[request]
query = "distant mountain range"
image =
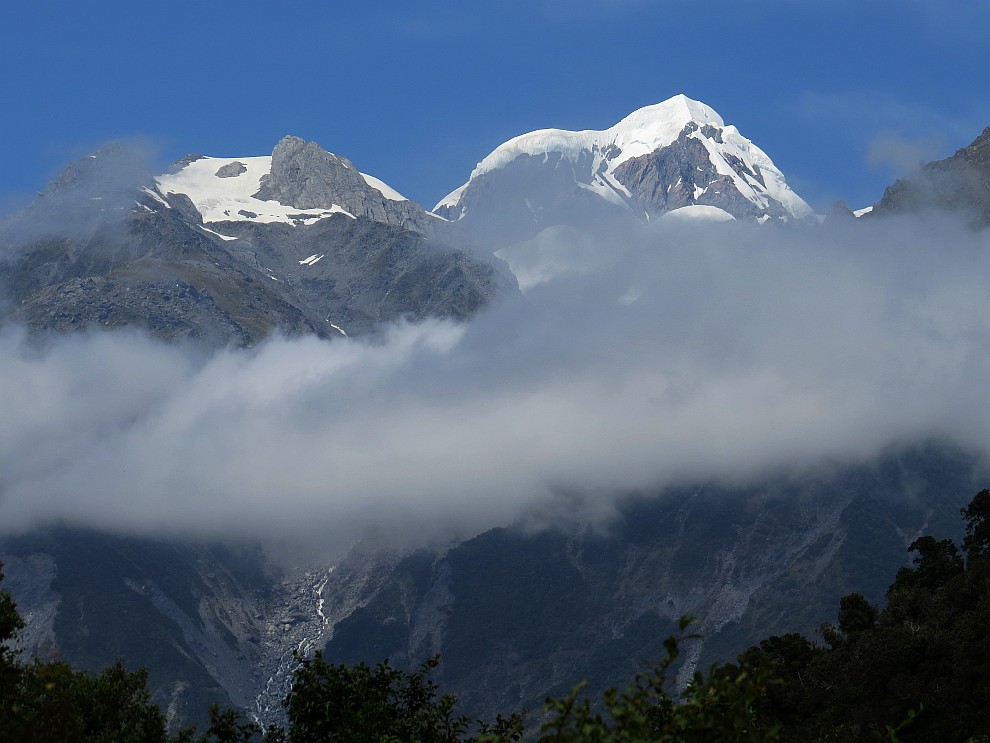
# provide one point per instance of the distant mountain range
(227, 251)
(232, 249)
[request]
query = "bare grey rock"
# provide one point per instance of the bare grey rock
(231, 170)
(183, 162)
(959, 184)
(153, 270)
(518, 615)
(306, 176)
(367, 272)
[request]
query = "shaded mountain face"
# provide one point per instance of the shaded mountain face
(188, 613)
(518, 616)
(659, 159)
(959, 184)
(108, 245)
(153, 270)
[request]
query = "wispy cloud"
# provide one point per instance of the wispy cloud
(733, 351)
(900, 155)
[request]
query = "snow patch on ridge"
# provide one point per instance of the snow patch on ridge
(452, 198)
(213, 232)
(698, 212)
(640, 133)
(231, 199)
(386, 190)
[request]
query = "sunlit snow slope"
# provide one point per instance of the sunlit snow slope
(662, 157)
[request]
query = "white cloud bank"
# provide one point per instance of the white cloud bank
(734, 350)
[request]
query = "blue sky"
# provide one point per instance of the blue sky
(842, 95)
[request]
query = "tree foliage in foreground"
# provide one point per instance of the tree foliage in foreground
(920, 665)
(343, 703)
(713, 708)
(42, 702)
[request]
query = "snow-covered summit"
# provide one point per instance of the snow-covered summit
(640, 133)
(661, 157)
(299, 183)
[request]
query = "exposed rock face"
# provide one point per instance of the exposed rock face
(355, 274)
(958, 184)
(149, 269)
(191, 614)
(682, 174)
(671, 155)
(306, 176)
(840, 212)
(212, 623)
(518, 616)
(29, 578)
(231, 170)
(534, 192)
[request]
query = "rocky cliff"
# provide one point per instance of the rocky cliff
(959, 184)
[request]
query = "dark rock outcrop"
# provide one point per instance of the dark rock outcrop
(959, 184)
(682, 174)
(231, 170)
(840, 212)
(517, 616)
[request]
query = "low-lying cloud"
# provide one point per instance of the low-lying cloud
(682, 353)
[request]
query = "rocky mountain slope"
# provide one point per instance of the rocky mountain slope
(958, 184)
(216, 250)
(516, 614)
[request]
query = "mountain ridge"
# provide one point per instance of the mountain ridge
(195, 253)
(958, 184)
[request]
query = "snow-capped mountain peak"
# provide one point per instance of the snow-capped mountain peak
(661, 157)
(639, 133)
(299, 183)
